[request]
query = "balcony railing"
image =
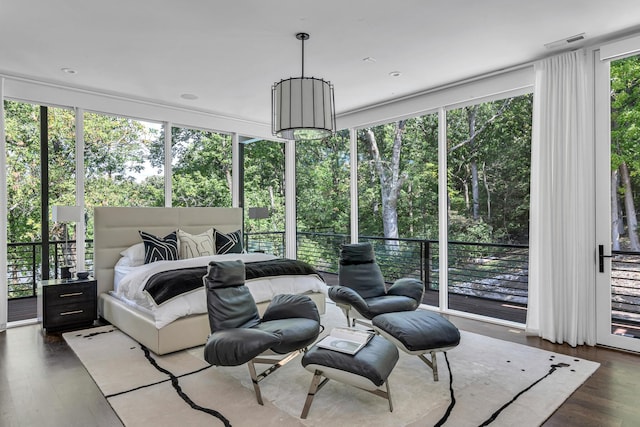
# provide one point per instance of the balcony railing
(24, 264)
(476, 271)
(625, 286)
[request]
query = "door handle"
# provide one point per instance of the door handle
(601, 257)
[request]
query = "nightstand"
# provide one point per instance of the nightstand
(67, 303)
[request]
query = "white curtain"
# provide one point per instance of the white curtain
(3, 215)
(562, 225)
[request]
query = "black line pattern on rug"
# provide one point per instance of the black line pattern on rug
(93, 334)
(176, 385)
(157, 382)
(495, 415)
(552, 369)
(445, 417)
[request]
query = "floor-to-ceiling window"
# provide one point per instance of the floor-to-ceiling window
(24, 230)
(488, 169)
(398, 198)
(264, 195)
(322, 199)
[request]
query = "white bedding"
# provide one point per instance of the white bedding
(131, 281)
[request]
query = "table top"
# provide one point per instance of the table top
(73, 281)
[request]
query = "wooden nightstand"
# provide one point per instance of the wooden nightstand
(67, 304)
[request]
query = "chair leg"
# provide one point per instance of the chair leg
(275, 364)
(433, 363)
(254, 380)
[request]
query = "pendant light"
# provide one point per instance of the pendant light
(303, 108)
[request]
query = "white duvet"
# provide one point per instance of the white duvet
(131, 282)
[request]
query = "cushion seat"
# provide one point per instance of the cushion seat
(418, 332)
(368, 369)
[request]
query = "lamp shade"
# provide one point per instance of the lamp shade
(66, 213)
(258, 213)
(303, 109)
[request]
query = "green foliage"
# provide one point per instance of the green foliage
(118, 149)
(322, 184)
(201, 174)
(500, 150)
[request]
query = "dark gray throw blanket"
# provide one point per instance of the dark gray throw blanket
(169, 284)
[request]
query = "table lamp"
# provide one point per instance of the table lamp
(65, 215)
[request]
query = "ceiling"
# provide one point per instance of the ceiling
(229, 53)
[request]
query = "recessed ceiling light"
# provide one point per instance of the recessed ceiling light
(369, 59)
(189, 96)
(395, 74)
(68, 70)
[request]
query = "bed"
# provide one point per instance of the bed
(116, 230)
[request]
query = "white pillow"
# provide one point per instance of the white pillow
(128, 262)
(195, 245)
(135, 254)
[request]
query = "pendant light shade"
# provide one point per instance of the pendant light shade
(303, 107)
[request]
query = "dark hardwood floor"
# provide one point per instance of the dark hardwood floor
(42, 382)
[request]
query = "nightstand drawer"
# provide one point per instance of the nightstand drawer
(70, 293)
(69, 314)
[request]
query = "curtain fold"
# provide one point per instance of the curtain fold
(562, 224)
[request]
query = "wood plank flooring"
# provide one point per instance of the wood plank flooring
(42, 382)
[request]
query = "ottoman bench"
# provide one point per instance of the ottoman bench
(368, 369)
(418, 333)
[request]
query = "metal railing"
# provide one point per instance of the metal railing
(625, 286)
(24, 264)
(487, 270)
(490, 271)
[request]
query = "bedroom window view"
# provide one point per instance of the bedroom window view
(323, 201)
(264, 196)
(398, 198)
(625, 190)
(24, 161)
(201, 168)
(24, 233)
(488, 163)
(124, 163)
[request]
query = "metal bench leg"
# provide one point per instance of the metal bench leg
(315, 386)
(433, 363)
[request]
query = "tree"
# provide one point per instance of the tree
(625, 159)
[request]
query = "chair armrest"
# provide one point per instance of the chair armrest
(287, 306)
(234, 347)
(412, 288)
(345, 295)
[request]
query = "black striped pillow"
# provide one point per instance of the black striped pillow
(159, 248)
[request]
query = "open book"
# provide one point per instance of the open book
(345, 340)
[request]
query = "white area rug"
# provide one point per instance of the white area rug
(494, 383)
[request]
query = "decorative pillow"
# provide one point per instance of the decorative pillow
(135, 254)
(159, 248)
(230, 243)
(195, 245)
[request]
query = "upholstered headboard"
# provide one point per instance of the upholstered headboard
(116, 228)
